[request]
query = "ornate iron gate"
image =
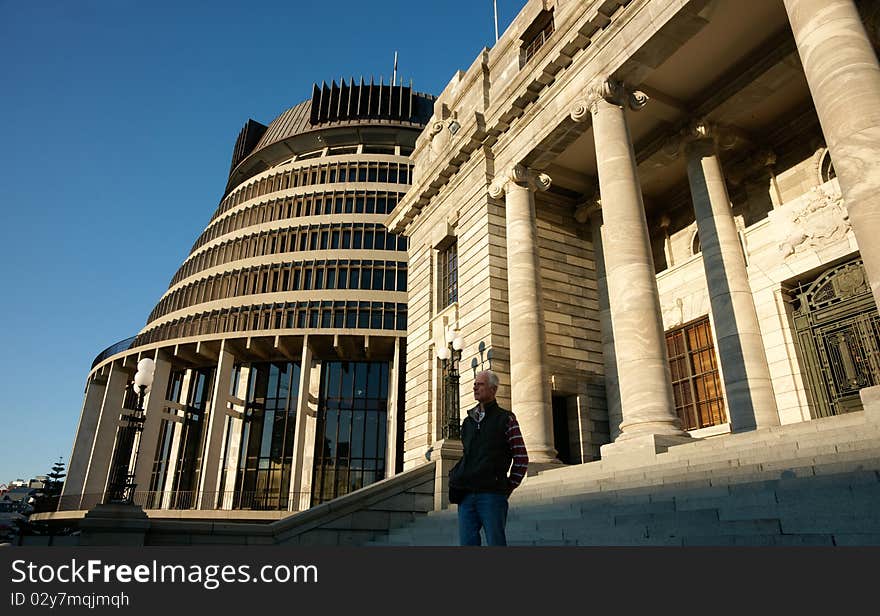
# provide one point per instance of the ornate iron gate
(838, 327)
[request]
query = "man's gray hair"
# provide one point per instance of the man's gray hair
(491, 378)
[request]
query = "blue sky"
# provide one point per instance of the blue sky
(119, 118)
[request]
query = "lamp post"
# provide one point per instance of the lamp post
(450, 355)
(122, 486)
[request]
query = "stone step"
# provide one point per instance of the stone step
(868, 459)
(795, 485)
(766, 446)
(797, 511)
(710, 461)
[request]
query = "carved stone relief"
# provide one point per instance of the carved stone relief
(816, 221)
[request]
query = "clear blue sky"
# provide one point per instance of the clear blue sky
(119, 118)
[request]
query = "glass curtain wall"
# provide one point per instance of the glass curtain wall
(352, 428)
(162, 457)
(192, 440)
(267, 437)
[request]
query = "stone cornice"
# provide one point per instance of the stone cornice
(482, 130)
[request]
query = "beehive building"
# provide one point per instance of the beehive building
(280, 342)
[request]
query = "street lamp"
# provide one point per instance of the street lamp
(450, 355)
(122, 486)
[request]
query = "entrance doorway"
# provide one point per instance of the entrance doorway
(838, 328)
(561, 438)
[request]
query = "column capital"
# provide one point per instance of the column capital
(702, 130)
(609, 90)
(588, 209)
(521, 176)
(757, 162)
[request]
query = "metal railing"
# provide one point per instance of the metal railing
(113, 349)
(189, 500)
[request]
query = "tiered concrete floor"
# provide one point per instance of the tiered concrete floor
(815, 483)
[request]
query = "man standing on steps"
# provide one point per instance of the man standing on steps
(479, 482)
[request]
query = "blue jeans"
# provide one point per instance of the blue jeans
(486, 510)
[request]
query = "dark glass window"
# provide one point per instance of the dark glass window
(162, 459)
(447, 265)
(343, 277)
(536, 35)
(267, 435)
(378, 278)
(352, 428)
(192, 440)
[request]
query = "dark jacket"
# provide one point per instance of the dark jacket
(487, 457)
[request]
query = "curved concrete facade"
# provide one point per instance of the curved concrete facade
(284, 327)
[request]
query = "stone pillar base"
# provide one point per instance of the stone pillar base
(871, 401)
(114, 524)
(445, 454)
(639, 449)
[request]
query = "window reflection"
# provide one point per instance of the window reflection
(351, 435)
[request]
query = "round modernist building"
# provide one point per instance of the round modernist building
(279, 346)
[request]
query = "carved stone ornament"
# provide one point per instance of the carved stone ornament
(700, 129)
(436, 127)
(812, 223)
(521, 175)
(756, 164)
(584, 211)
(673, 313)
(615, 92)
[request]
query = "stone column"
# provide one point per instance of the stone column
(105, 436)
(78, 463)
(844, 79)
(750, 400)
(210, 475)
(529, 377)
(609, 357)
(649, 418)
(153, 408)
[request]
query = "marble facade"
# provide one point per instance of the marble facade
(652, 162)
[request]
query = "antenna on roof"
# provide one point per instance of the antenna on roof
(495, 4)
(394, 72)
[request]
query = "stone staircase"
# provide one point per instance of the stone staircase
(812, 483)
